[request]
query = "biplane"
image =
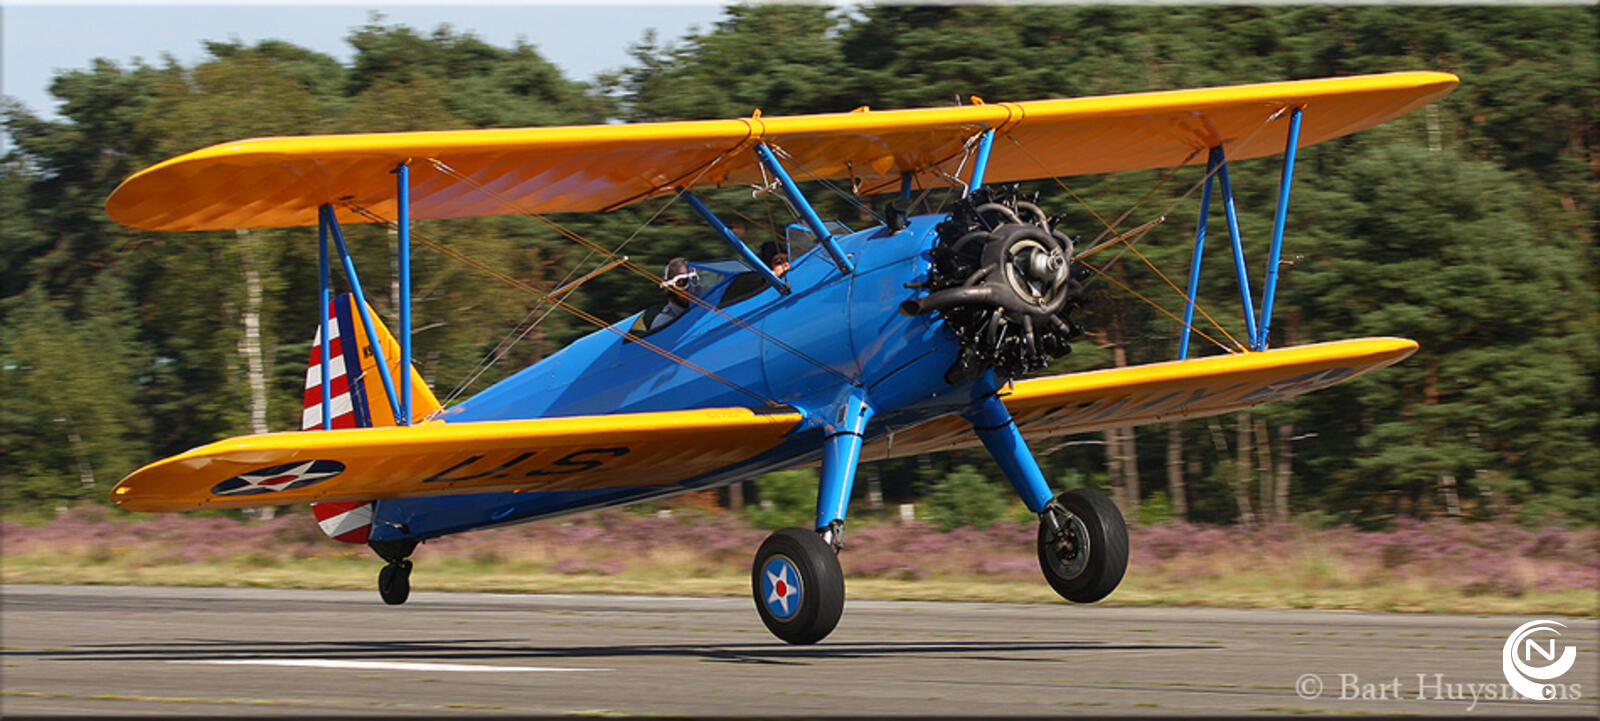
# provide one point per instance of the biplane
(913, 336)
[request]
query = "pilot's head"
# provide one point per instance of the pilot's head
(680, 281)
(775, 257)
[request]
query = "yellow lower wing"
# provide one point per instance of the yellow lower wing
(1084, 402)
(644, 449)
(581, 452)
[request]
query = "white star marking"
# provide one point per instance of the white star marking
(297, 474)
(780, 580)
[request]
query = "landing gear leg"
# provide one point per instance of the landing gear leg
(394, 581)
(1083, 540)
(992, 421)
(796, 579)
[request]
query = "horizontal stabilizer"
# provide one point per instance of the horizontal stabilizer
(1159, 392)
(432, 459)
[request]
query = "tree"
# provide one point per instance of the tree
(1495, 307)
(965, 498)
(779, 59)
(71, 427)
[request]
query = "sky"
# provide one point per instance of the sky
(38, 39)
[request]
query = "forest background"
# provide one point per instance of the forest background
(1468, 226)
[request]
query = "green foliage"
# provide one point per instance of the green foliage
(783, 499)
(69, 422)
(1496, 305)
(965, 498)
(1072, 478)
(1155, 508)
(780, 59)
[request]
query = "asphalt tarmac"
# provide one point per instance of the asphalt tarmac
(127, 651)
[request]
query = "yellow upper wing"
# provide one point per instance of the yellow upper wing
(629, 449)
(279, 182)
(1085, 402)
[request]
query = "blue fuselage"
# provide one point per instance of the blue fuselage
(831, 336)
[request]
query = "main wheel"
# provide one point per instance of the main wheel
(1085, 561)
(798, 586)
(394, 582)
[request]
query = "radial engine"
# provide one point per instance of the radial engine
(1003, 278)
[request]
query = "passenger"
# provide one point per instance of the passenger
(680, 281)
(775, 257)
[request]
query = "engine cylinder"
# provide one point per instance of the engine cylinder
(1004, 285)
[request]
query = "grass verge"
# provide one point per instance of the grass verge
(351, 571)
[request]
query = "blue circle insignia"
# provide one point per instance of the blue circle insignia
(781, 587)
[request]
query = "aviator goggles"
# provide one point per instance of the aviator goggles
(682, 281)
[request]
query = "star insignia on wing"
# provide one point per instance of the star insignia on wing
(279, 478)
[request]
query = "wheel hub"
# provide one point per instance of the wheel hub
(782, 591)
(1071, 544)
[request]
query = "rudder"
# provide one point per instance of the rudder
(357, 399)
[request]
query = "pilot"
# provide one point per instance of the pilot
(776, 258)
(679, 281)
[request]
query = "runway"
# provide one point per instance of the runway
(122, 651)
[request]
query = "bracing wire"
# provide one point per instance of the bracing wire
(556, 298)
(1102, 274)
(519, 332)
(826, 183)
(770, 228)
(641, 271)
(560, 303)
(1112, 228)
(1127, 239)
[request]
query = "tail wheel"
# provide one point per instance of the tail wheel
(798, 586)
(1083, 545)
(394, 582)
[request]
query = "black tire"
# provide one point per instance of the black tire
(394, 582)
(1095, 576)
(815, 604)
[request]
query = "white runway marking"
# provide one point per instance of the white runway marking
(384, 665)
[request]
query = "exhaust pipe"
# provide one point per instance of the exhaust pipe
(948, 298)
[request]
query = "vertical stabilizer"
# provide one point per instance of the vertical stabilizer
(356, 399)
